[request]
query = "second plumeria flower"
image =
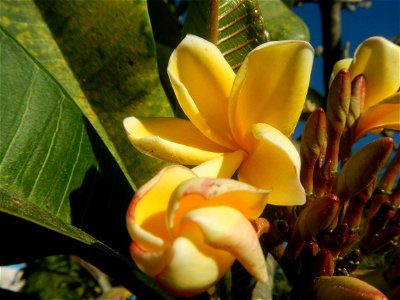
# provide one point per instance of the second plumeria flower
(237, 122)
(378, 61)
(187, 231)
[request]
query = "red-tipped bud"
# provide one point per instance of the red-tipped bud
(355, 209)
(357, 99)
(338, 108)
(318, 216)
(356, 103)
(313, 147)
(362, 168)
(323, 264)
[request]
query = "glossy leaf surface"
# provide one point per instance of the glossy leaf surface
(103, 55)
(56, 172)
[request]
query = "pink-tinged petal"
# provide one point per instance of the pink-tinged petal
(339, 65)
(202, 81)
(203, 192)
(171, 139)
(379, 60)
(271, 87)
(227, 229)
(146, 215)
(195, 266)
(385, 114)
(151, 263)
(224, 166)
(274, 164)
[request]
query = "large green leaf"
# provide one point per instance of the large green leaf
(282, 22)
(103, 54)
(56, 172)
(235, 26)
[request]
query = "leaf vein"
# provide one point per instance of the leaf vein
(72, 171)
(24, 114)
(231, 10)
(50, 146)
(235, 33)
(225, 27)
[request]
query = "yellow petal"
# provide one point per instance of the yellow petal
(224, 166)
(202, 192)
(339, 65)
(194, 267)
(385, 114)
(271, 87)
(171, 139)
(226, 228)
(379, 60)
(151, 263)
(274, 164)
(202, 81)
(146, 216)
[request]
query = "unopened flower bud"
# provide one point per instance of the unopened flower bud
(362, 168)
(313, 147)
(377, 200)
(356, 104)
(357, 99)
(355, 208)
(375, 223)
(323, 264)
(392, 171)
(338, 108)
(318, 216)
(306, 258)
(343, 287)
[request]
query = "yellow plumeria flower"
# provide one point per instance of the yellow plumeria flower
(187, 231)
(379, 61)
(236, 122)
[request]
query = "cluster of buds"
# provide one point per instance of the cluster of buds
(349, 212)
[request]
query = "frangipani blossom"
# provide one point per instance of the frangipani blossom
(236, 122)
(187, 231)
(379, 61)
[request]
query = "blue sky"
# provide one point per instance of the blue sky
(382, 18)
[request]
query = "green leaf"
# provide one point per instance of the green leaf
(235, 26)
(56, 172)
(282, 22)
(103, 54)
